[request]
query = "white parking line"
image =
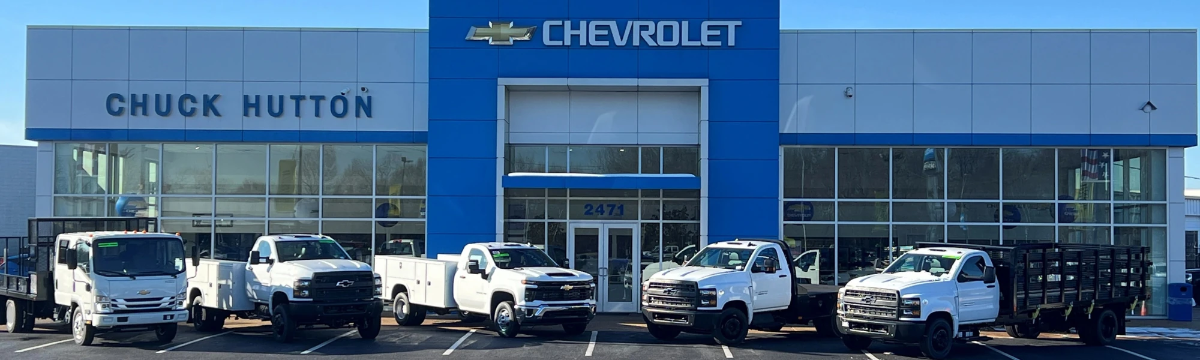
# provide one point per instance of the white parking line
(43, 345)
(591, 344)
(327, 342)
(728, 354)
(458, 343)
(996, 350)
(872, 357)
(1129, 352)
(193, 342)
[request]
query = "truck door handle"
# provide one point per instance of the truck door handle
(782, 276)
(991, 286)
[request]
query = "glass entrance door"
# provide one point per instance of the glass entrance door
(609, 252)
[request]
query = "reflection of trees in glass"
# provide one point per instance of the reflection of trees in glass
(808, 173)
(355, 178)
(131, 168)
(187, 169)
(401, 171)
(863, 173)
(973, 173)
(1029, 174)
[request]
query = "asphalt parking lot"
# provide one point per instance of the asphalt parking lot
(610, 336)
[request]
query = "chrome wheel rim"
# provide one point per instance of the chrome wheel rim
(77, 327)
(503, 318)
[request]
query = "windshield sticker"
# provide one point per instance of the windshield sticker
(328, 242)
(106, 245)
(499, 254)
(955, 257)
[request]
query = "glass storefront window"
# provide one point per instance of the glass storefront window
(252, 207)
(906, 237)
(399, 208)
(235, 238)
(863, 173)
(400, 170)
(803, 210)
(681, 160)
(813, 251)
(354, 236)
(973, 234)
(862, 250)
(1027, 213)
(556, 242)
(808, 173)
(295, 169)
(194, 234)
(187, 207)
(863, 211)
(652, 160)
(1028, 174)
(1084, 174)
(280, 227)
(240, 169)
(1140, 213)
(81, 206)
(347, 169)
(973, 173)
(1139, 175)
(1156, 239)
(1092, 235)
(135, 168)
(406, 238)
(298, 208)
(347, 208)
(188, 169)
(918, 211)
(602, 160)
(81, 168)
(1020, 235)
(525, 159)
(918, 173)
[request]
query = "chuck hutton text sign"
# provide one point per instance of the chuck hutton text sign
(603, 33)
(189, 105)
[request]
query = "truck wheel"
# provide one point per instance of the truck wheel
(3, 309)
(938, 340)
(80, 330)
(205, 319)
(14, 316)
(369, 328)
(405, 312)
(664, 333)
(856, 343)
(283, 326)
(731, 327)
(574, 329)
(465, 317)
(1100, 330)
(1023, 331)
(166, 332)
(826, 326)
(505, 320)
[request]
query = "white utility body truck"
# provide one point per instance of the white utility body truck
(291, 281)
(98, 281)
(941, 293)
(514, 285)
(731, 287)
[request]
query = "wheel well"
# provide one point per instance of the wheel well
(195, 293)
(499, 297)
(278, 298)
(941, 315)
(737, 305)
(398, 289)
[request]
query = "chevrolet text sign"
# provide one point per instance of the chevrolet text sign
(603, 33)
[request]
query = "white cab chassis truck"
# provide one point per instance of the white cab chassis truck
(513, 285)
(97, 282)
(731, 287)
(291, 281)
(939, 294)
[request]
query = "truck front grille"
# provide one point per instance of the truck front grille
(872, 303)
(561, 291)
(672, 295)
(135, 305)
(342, 286)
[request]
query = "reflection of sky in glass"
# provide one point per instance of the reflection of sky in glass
(603, 159)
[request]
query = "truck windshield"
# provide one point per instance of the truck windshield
(723, 258)
(137, 256)
(521, 258)
(310, 250)
(936, 265)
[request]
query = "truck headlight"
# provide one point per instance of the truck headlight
(181, 299)
(708, 297)
(910, 308)
(103, 304)
(300, 288)
(378, 286)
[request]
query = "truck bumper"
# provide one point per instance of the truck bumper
(122, 320)
(908, 332)
(555, 314)
(692, 320)
(308, 312)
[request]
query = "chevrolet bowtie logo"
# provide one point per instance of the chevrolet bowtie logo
(500, 33)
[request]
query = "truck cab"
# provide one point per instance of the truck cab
(730, 287)
(109, 281)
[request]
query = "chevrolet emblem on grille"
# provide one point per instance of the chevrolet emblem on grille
(670, 291)
(345, 283)
(567, 287)
(868, 300)
(143, 292)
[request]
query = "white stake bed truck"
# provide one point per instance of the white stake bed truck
(941, 293)
(97, 281)
(514, 285)
(291, 281)
(731, 287)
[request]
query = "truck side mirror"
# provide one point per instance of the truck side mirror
(473, 267)
(989, 275)
(255, 258)
(195, 256)
(72, 259)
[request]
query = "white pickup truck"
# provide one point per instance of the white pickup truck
(514, 285)
(731, 287)
(940, 294)
(289, 280)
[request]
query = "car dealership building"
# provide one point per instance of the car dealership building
(604, 129)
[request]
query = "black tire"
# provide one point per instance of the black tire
(574, 329)
(283, 326)
(505, 320)
(664, 333)
(1023, 331)
(826, 326)
(938, 340)
(205, 319)
(731, 327)
(405, 312)
(856, 343)
(466, 317)
(3, 309)
(1101, 329)
(81, 332)
(368, 328)
(166, 332)
(14, 317)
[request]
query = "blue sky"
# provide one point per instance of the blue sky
(795, 14)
